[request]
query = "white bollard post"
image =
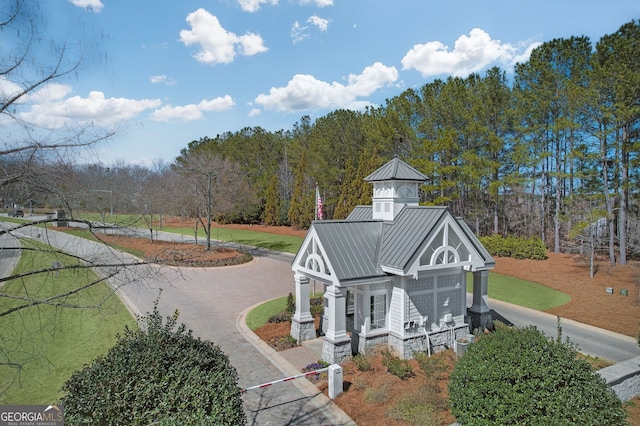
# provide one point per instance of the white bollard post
(335, 381)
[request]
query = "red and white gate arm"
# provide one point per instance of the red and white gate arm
(297, 376)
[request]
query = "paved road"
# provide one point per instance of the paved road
(8, 256)
(590, 340)
(209, 301)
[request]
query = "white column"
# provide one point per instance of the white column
(336, 312)
(303, 313)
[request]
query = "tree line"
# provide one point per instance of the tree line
(551, 152)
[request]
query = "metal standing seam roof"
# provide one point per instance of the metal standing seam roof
(403, 238)
(396, 169)
(361, 213)
(351, 247)
(359, 248)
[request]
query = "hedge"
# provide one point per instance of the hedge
(159, 375)
(519, 376)
(515, 247)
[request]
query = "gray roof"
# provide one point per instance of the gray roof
(360, 213)
(359, 247)
(351, 247)
(404, 237)
(396, 169)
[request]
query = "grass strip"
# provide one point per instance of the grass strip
(521, 292)
(259, 316)
(284, 243)
(47, 343)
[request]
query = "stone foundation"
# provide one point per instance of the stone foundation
(303, 330)
(405, 346)
(335, 352)
(480, 320)
(365, 344)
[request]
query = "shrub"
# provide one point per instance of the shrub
(362, 361)
(396, 366)
(419, 408)
(516, 247)
(432, 366)
(360, 383)
(377, 395)
(291, 305)
(316, 305)
(282, 316)
(519, 376)
(159, 374)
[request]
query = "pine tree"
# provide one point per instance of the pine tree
(271, 214)
(301, 211)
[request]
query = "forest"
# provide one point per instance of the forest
(549, 150)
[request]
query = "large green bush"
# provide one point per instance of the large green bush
(516, 247)
(160, 375)
(519, 376)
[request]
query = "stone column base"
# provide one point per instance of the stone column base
(303, 330)
(364, 344)
(335, 352)
(481, 320)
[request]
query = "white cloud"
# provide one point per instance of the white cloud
(157, 79)
(305, 92)
(299, 32)
(319, 3)
(94, 5)
(217, 45)
(254, 5)
(524, 57)
(255, 112)
(470, 54)
(78, 110)
(192, 112)
(48, 93)
(321, 23)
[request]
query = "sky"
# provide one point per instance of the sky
(168, 72)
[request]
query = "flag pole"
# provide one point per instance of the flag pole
(316, 201)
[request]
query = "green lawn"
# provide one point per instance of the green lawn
(51, 342)
(261, 314)
(285, 243)
(521, 292)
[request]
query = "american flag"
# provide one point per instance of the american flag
(319, 204)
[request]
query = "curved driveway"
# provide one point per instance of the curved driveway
(210, 301)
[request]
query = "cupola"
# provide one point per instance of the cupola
(395, 185)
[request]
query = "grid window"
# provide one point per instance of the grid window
(378, 311)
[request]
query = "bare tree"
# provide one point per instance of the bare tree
(213, 186)
(32, 62)
(36, 163)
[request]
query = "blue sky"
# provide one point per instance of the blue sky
(171, 71)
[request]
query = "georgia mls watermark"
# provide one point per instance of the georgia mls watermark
(31, 415)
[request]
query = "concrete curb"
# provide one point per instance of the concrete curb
(319, 399)
(563, 320)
